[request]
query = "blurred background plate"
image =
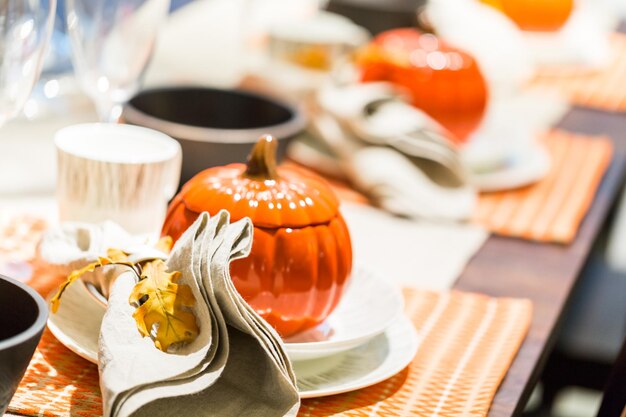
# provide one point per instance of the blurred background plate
(524, 167)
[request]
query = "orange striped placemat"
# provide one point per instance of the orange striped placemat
(467, 342)
(552, 209)
(603, 89)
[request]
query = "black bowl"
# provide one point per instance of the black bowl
(214, 126)
(23, 315)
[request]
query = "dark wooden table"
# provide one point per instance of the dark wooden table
(545, 273)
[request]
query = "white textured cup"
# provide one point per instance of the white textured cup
(116, 172)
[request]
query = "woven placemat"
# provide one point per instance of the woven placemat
(467, 342)
(603, 88)
(552, 209)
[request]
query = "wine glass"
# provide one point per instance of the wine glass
(112, 42)
(25, 28)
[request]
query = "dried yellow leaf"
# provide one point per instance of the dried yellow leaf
(163, 306)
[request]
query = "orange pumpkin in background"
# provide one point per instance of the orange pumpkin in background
(301, 254)
(443, 81)
(535, 15)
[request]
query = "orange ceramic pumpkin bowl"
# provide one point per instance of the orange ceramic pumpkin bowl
(443, 81)
(301, 254)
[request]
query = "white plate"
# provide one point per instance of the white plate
(77, 325)
(368, 307)
(525, 166)
(373, 362)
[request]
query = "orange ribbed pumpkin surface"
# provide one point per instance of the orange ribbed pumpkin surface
(535, 15)
(301, 253)
(443, 81)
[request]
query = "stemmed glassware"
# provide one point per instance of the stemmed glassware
(112, 42)
(25, 28)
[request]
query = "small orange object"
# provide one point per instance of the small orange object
(301, 252)
(443, 81)
(535, 15)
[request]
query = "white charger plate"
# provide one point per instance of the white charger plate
(368, 307)
(77, 325)
(367, 335)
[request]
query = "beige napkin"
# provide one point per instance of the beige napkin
(237, 365)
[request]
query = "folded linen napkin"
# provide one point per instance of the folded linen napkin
(236, 366)
(393, 152)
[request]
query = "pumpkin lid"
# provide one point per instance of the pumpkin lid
(271, 196)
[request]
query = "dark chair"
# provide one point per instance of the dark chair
(614, 399)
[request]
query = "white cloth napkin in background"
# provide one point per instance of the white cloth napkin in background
(418, 254)
(236, 366)
(393, 152)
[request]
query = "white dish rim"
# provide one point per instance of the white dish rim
(363, 382)
(302, 347)
(360, 383)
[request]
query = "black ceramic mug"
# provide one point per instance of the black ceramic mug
(23, 315)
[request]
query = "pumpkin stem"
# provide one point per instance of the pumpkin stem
(262, 160)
